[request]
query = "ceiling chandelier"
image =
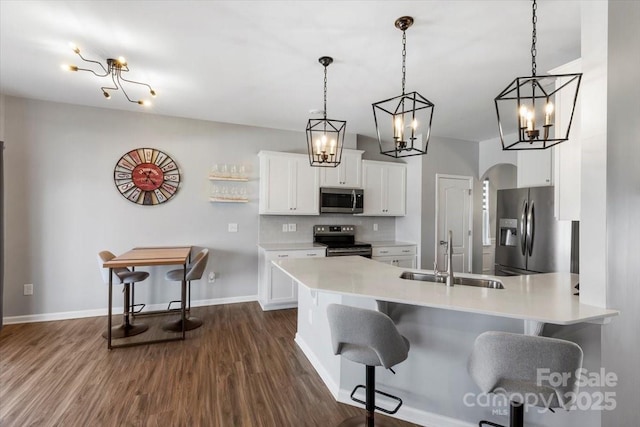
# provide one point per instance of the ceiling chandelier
(115, 68)
(325, 137)
(527, 109)
(403, 123)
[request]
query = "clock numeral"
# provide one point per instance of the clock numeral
(169, 188)
(123, 163)
(172, 177)
(135, 157)
(148, 155)
(169, 167)
(123, 175)
(161, 197)
(134, 195)
(160, 158)
(126, 186)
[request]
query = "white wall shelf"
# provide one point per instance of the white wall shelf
(224, 178)
(219, 200)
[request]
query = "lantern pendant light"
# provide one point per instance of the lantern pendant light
(325, 137)
(403, 123)
(528, 117)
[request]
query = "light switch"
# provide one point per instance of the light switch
(285, 228)
(292, 227)
(233, 227)
(375, 227)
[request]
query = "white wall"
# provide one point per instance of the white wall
(62, 206)
(621, 340)
(491, 153)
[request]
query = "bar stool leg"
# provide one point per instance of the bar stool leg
(126, 329)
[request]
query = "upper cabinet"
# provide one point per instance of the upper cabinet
(288, 184)
(567, 156)
(385, 188)
(347, 174)
(535, 168)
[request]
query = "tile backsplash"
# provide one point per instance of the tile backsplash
(271, 227)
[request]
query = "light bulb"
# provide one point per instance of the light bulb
(523, 111)
(549, 108)
(106, 94)
(144, 102)
(122, 61)
(548, 111)
(69, 67)
(152, 92)
(414, 124)
(75, 48)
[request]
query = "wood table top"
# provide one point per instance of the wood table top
(148, 256)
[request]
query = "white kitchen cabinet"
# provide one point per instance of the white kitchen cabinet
(288, 184)
(385, 188)
(347, 174)
(276, 290)
(400, 256)
(568, 154)
(535, 168)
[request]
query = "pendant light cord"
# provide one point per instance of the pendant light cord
(325, 92)
(534, 38)
(404, 58)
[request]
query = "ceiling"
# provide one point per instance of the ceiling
(256, 62)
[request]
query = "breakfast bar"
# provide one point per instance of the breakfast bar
(441, 324)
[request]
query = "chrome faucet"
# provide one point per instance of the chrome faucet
(449, 258)
(449, 273)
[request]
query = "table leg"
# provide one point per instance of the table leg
(110, 303)
(183, 302)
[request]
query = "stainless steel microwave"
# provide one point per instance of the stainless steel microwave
(341, 200)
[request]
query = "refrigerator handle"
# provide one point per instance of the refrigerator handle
(531, 227)
(523, 228)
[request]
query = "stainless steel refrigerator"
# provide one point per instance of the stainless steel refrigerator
(529, 239)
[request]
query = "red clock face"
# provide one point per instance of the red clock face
(146, 176)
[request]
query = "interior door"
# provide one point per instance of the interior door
(454, 209)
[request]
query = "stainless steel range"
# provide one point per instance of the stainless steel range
(340, 240)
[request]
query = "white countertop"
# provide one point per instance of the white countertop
(544, 298)
(390, 243)
(290, 246)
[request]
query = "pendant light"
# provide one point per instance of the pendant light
(325, 137)
(528, 117)
(403, 123)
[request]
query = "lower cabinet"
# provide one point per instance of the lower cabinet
(400, 256)
(276, 290)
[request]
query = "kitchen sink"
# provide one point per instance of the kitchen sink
(464, 281)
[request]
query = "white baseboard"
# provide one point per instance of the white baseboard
(324, 375)
(65, 315)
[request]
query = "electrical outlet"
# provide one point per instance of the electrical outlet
(233, 227)
(375, 227)
(292, 227)
(310, 317)
(28, 289)
(285, 228)
(212, 277)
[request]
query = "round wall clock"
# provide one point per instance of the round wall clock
(146, 176)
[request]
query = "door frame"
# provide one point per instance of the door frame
(437, 215)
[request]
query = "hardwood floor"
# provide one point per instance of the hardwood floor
(241, 368)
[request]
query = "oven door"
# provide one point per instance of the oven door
(341, 200)
(348, 251)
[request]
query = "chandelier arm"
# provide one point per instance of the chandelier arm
(140, 83)
(94, 73)
(118, 77)
(94, 62)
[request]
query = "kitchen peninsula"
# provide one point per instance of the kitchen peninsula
(440, 322)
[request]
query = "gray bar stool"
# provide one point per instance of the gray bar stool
(370, 338)
(128, 278)
(507, 363)
(194, 272)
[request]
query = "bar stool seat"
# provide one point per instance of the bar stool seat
(509, 364)
(370, 338)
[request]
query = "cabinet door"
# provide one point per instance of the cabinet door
(304, 187)
(347, 174)
(396, 191)
(372, 180)
(535, 168)
(282, 288)
(406, 262)
(385, 259)
(274, 185)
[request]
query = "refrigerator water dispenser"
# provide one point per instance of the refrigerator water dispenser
(508, 232)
